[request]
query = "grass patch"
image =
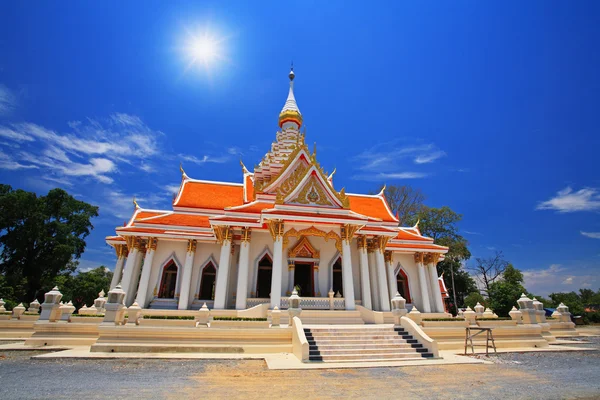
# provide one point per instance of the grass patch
(179, 317)
(443, 319)
(30, 313)
(495, 319)
(238, 319)
(6, 313)
(89, 315)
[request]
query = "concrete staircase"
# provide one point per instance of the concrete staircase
(363, 343)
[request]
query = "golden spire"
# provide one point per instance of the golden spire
(135, 203)
(244, 169)
(183, 174)
(290, 111)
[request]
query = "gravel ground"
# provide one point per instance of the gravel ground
(512, 376)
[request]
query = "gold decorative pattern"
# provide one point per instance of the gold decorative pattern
(121, 250)
(372, 245)
(387, 256)
(419, 258)
(312, 193)
(348, 231)
(191, 246)
(382, 242)
(312, 231)
(435, 258)
(246, 232)
(276, 229)
(152, 243)
(290, 183)
(303, 249)
(223, 233)
(361, 242)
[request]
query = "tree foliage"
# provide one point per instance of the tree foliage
(473, 298)
(83, 288)
(39, 237)
(503, 293)
(441, 224)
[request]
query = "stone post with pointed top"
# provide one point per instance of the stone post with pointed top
(100, 302)
(18, 311)
(66, 310)
(51, 305)
(203, 316)
(34, 306)
(115, 307)
(275, 317)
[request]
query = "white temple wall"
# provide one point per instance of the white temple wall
(407, 263)
(165, 251)
(260, 243)
(205, 252)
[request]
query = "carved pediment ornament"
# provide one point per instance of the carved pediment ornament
(303, 249)
(312, 193)
(312, 231)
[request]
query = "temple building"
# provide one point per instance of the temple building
(234, 245)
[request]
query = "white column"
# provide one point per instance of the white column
(121, 250)
(373, 279)
(423, 282)
(186, 277)
(242, 282)
(223, 273)
(317, 288)
(131, 267)
(389, 267)
(365, 285)
(135, 278)
(348, 280)
(291, 271)
(384, 297)
(276, 229)
(435, 286)
(142, 292)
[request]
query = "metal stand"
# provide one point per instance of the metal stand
(469, 337)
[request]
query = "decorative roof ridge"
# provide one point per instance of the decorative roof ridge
(257, 201)
(192, 180)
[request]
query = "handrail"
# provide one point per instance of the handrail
(415, 330)
(299, 342)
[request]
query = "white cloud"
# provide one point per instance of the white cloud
(389, 176)
(7, 100)
(566, 200)
(171, 188)
(429, 157)
(205, 159)
(472, 233)
(559, 278)
(593, 235)
(90, 149)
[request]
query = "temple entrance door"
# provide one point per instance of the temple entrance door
(303, 277)
(168, 282)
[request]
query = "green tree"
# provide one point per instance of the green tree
(39, 236)
(504, 292)
(571, 300)
(82, 288)
(441, 224)
(473, 298)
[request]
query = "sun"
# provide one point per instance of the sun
(203, 49)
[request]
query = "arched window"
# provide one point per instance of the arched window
(207, 282)
(168, 281)
(402, 285)
(337, 284)
(263, 280)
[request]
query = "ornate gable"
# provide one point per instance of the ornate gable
(303, 249)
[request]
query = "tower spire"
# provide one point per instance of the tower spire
(290, 115)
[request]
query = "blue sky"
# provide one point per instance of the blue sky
(489, 108)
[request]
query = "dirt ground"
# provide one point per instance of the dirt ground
(556, 375)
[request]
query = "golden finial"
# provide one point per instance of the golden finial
(314, 154)
(244, 169)
(330, 177)
(183, 174)
(292, 75)
(382, 190)
(417, 224)
(135, 203)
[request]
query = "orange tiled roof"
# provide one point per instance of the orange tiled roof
(197, 221)
(371, 206)
(249, 188)
(404, 235)
(416, 246)
(255, 207)
(211, 195)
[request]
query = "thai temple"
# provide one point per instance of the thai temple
(283, 227)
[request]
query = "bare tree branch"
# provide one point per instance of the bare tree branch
(488, 270)
(406, 201)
